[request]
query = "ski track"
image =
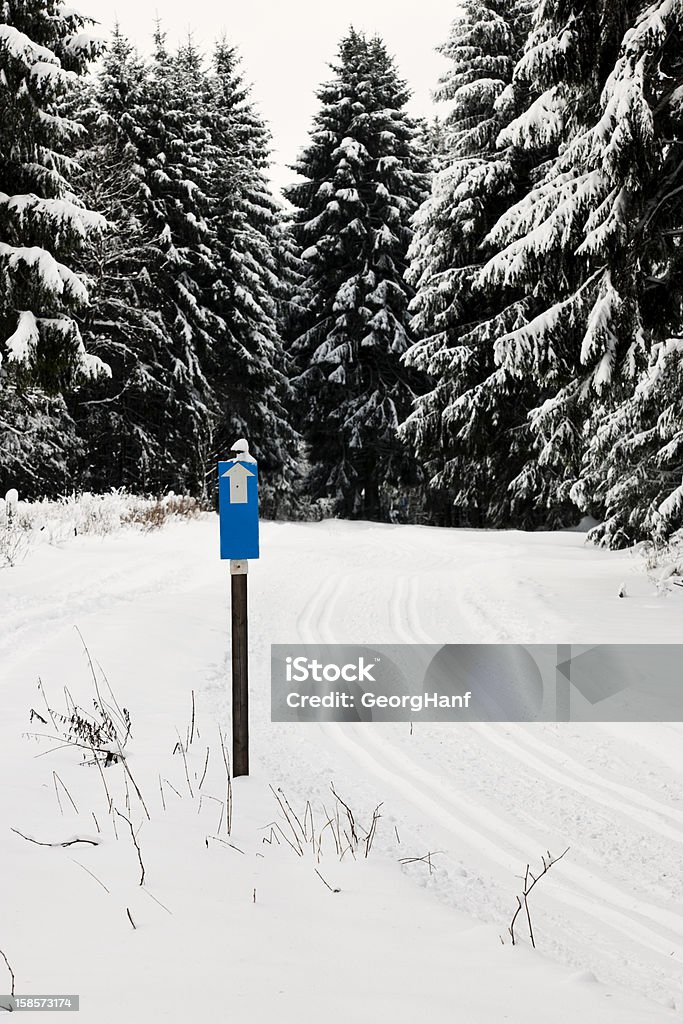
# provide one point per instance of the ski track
(404, 618)
(64, 607)
(637, 807)
(508, 846)
(486, 837)
(505, 847)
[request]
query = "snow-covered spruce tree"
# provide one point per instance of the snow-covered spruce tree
(632, 471)
(128, 421)
(42, 50)
(633, 467)
(585, 242)
(468, 448)
(173, 149)
(364, 176)
(252, 261)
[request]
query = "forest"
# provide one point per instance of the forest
(470, 320)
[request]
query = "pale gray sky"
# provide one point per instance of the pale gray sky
(286, 45)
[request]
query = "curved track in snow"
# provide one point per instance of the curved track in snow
(625, 923)
(491, 797)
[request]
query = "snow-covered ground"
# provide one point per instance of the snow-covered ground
(250, 931)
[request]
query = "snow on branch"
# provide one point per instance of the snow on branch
(520, 349)
(24, 49)
(68, 214)
(541, 125)
(600, 336)
(54, 276)
(23, 342)
(672, 506)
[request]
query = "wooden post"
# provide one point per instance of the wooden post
(240, 670)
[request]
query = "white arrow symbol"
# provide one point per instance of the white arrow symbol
(238, 476)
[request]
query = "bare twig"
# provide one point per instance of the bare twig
(326, 883)
(522, 901)
(57, 779)
(130, 918)
(274, 826)
(302, 830)
(89, 872)
(352, 823)
(128, 772)
(334, 831)
(11, 972)
(49, 709)
(206, 765)
(135, 844)
(181, 747)
(179, 795)
(373, 829)
(191, 737)
(232, 846)
(122, 718)
(162, 905)
(427, 859)
(67, 842)
(68, 743)
(269, 839)
(228, 799)
(296, 835)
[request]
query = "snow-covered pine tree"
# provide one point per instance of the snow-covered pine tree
(128, 422)
(43, 47)
(174, 151)
(632, 471)
(468, 452)
(584, 242)
(632, 475)
(248, 368)
(364, 176)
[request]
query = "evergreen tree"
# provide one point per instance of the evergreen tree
(566, 244)
(174, 151)
(546, 403)
(128, 421)
(583, 243)
(251, 287)
(467, 451)
(364, 176)
(188, 282)
(42, 225)
(632, 471)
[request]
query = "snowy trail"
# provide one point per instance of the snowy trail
(491, 797)
(524, 746)
(44, 606)
(649, 925)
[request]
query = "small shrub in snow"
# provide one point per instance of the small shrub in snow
(15, 531)
(664, 561)
(309, 830)
(529, 882)
(96, 730)
(101, 732)
(99, 515)
(151, 515)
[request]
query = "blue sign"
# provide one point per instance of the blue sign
(238, 509)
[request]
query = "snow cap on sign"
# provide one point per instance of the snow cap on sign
(240, 451)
